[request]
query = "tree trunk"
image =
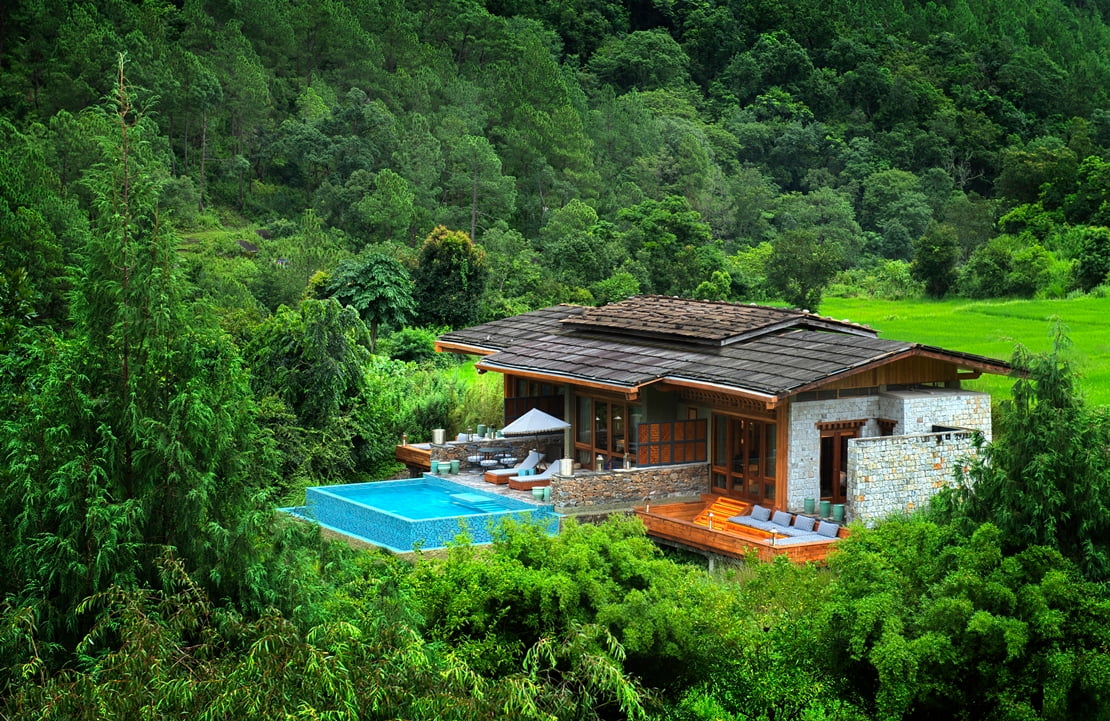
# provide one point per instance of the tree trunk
(203, 157)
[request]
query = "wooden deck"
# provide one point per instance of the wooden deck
(690, 525)
(414, 457)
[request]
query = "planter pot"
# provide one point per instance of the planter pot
(547, 493)
(537, 493)
(434, 468)
(454, 466)
(809, 504)
(825, 508)
(838, 513)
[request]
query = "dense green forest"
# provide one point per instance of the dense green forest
(229, 232)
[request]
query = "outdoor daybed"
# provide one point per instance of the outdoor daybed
(796, 528)
(524, 483)
(502, 475)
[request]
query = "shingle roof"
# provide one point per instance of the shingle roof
(710, 322)
(791, 350)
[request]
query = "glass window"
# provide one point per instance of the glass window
(601, 425)
(585, 420)
(771, 437)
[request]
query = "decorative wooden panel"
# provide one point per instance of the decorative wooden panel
(672, 442)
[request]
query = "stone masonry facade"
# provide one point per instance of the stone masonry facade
(915, 412)
(899, 474)
(621, 489)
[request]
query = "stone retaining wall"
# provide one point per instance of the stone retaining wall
(898, 474)
(592, 490)
(549, 444)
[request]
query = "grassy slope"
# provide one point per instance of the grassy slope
(994, 328)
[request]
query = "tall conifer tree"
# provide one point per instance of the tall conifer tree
(140, 439)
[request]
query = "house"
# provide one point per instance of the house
(770, 406)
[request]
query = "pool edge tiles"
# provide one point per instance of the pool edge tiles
(328, 507)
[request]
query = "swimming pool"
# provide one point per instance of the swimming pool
(426, 512)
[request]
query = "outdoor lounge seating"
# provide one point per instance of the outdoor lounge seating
(796, 528)
(502, 475)
(523, 483)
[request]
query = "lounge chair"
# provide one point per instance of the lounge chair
(502, 475)
(523, 483)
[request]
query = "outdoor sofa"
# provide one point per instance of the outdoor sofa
(798, 528)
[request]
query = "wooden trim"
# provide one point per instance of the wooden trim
(449, 347)
(782, 457)
(624, 392)
(957, 363)
(842, 425)
(717, 390)
(725, 403)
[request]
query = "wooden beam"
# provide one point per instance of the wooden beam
(625, 392)
(448, 347)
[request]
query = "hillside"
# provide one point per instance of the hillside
(744, 150)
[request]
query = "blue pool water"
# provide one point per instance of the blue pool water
(428, 512)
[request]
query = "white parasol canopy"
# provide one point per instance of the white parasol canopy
(533, 422)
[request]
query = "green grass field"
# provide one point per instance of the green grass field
(994, 328)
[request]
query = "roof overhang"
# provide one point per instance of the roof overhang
(977, 365)
(465, 348)
(771, 401)
(629, 392)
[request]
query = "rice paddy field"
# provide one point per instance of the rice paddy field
(995, 328)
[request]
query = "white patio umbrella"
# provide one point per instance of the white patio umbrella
(534, 422)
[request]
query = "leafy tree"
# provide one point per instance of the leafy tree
(894, 205)
(474, 183)
(1045, 479)
(39, 229)
(643, 59)
(1087, 205)
(666, 239)
(1042, 162)
(575, 247)
(312, 357)
(928, 621)
(615, 288)
(934, 259)
(800, 267)
(1092, 257)
(378, 287)
(450, 279)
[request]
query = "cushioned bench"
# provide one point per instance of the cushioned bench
(797, 528)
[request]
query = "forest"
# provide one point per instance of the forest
(230, 232)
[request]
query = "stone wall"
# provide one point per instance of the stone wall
(594, 490)
(550, 444)
(915, 412)
(922, 409)
(803, 479)
(898, 474)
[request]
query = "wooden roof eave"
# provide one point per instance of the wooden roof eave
(464, 348)
(977, 365)
(629, 392)
(769, 400)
